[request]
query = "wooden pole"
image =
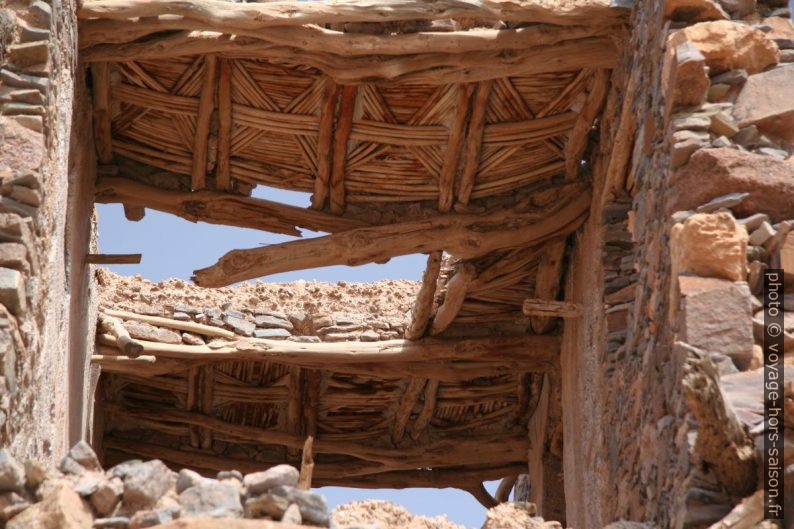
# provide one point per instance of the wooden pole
(464, 236)
(471, 159)
(344, 125)
(457, 133)
(307, 465)
(325, 144)
(547, 282)
(456, 293)
(423, 305)
(223, 169)
(113, 259)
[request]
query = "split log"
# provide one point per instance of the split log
(445, 451)
(288, 13)
(100, 74)
(423, 305)
(189, 326)
(223, 169)
(577, 140)
(323, 40)
(471, 161)
(307, 465)
(206, 107)
(456, 293)
(324, 144)
(429, 68)
(722, 441)
(407, 402)
(124, 341)
(551, 309)
(113, 259)
(457, 133)
(547, 282)
(344, 125)
(221, 208)
(462, 235)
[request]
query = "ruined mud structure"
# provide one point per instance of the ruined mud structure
(598, 187)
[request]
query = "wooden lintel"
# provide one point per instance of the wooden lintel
(223, 168)
(221, 208)
(462, 235)
(287, 13)
(344, 124)
(113, 258)
(206, 107)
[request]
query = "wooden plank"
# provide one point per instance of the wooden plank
(547, 282)
(222, 15)
(206, 107)
(221, 208)
(223, 170)
(113, 258)
(471, 160)
(324, 144)
(100, 75)
(462, 235)
(456, 293)
(551, 309)
(457, 133)
(423, 305)
(344, 125)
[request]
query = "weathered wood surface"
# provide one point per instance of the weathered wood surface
(205, 110)
(551, 309)
(430, 68)
(462, 235)
(113, 258)
(423, 304)
(221, 208)
(547, 282)
(114, 327)
(281, 13)
(453, 300)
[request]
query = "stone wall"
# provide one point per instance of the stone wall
(682, 132)
(42, 248)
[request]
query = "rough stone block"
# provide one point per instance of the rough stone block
(61, 510)
(717, 317)
(239, 325)
(144, 331)
(766, 102)
(694, 10)
(211, 499)
(272, 334)
(267, 321)
(12, 291)
(12, 473)
(691, 80)
(145, 483)
(14, 255)
(710, 245)
(260, 482)
(28, 53)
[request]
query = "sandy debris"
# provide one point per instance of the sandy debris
(515, 516)
(387, 299)
(386, 515)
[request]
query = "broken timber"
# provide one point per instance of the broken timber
(461, 235)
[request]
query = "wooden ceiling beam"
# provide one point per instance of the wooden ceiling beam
(428, 67)
(462, 235)
(291, 13)
(220, 208)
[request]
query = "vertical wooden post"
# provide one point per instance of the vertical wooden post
(471, 159)
(100, 73)
(295, 405)
(547, 282)
(324, 139)
(206, 107)
(193, 389)
(457, 133)
(223, 171)
(207, 392)
(423, 304)
(344, 125)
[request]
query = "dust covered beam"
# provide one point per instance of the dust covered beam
(258, 16)
(220, 208)
(462, 235)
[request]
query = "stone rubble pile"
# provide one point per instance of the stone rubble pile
(137, 494)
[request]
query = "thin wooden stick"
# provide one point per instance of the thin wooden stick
(223, 169)
(100, 74)
(128, 346)
(206, 107)
(307, 465)
(189, 326)
(423, 305)
(344, 125)
(324, 144)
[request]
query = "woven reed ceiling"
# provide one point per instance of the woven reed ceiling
(442, 127)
